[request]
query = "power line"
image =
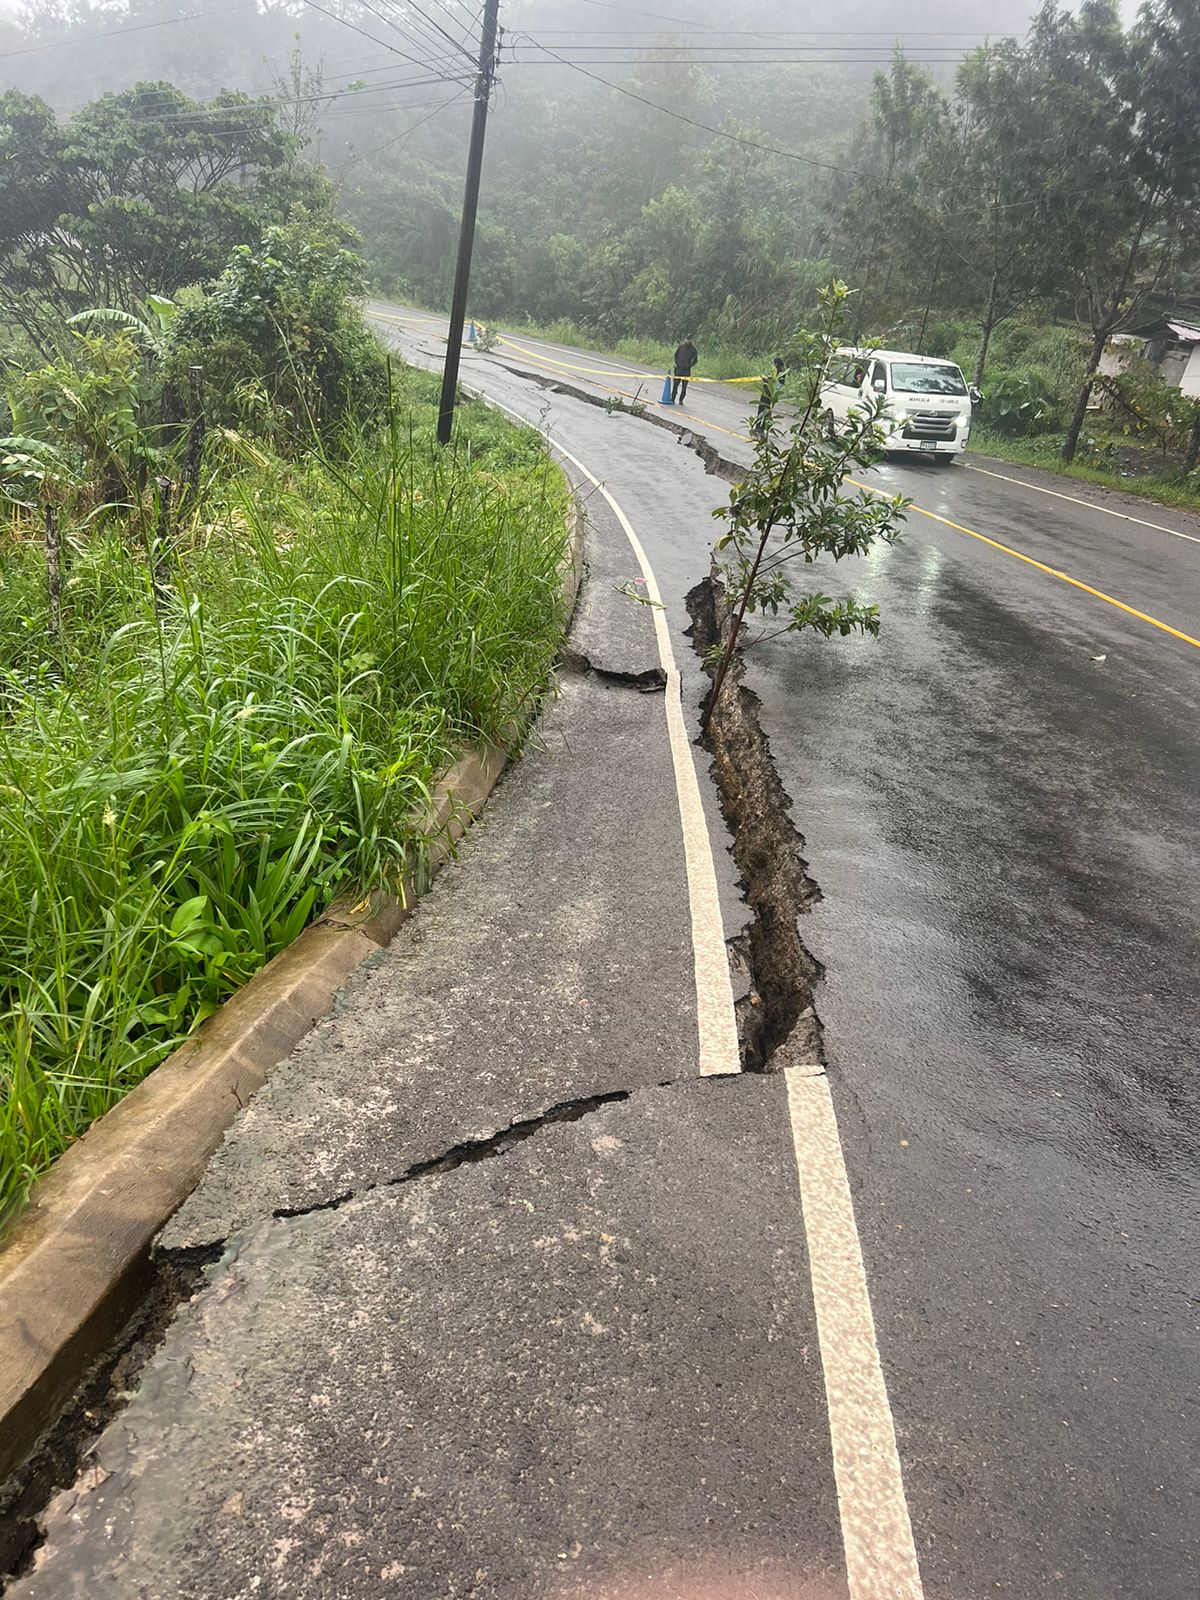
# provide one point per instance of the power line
(111, 33)
(389, 22)
(687, 22)
(734, 61)
(200, 116)
(353, 26)
(771, 51)
(388, 143)
(418, 34)
(411, 5)
(214, 132)
(791, 33)
(467, 28)
(706, 127)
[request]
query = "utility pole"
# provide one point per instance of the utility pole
(466, 237)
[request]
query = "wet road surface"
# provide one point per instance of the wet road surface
(998, 800)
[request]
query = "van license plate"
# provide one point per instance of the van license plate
(928, 444)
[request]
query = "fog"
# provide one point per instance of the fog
(381, 57)
(617, 134)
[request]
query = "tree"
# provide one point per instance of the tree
(139, 192)
(984, 176)
(907, 110)
(791, 507)
(1125, 135)
(637, 151)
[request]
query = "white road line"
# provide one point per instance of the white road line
(715, 1018)
(1090, 505)
(881, 1559)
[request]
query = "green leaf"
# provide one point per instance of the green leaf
(189, 915)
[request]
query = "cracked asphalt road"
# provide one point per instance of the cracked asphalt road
(998, 802)
(592, 1366)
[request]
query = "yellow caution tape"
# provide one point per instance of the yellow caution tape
(607, 372)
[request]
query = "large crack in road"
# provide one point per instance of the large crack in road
(778, 1020)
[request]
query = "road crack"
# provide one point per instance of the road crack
(469, 1151)
(777, 1018)
(715, 463)
(650, 680)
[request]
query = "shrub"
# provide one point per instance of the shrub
(280, 333)
(87, 407)
(1142, 405)
(1021, 403)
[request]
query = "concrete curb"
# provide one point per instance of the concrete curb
(77, 1261)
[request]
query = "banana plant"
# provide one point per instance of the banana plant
(31, 470)
(150, 336)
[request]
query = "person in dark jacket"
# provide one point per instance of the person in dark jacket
(686, 358)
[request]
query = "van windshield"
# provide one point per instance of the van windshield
(909, 378)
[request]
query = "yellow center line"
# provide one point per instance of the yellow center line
(388, 316)
(613, 366)
(1054, 572)
(612, 369)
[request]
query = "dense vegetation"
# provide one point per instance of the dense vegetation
(136, 193)
(1053, 183)
(247, 612)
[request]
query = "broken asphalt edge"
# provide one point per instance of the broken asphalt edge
(77, 1261)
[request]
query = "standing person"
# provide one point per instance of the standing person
(686, 358)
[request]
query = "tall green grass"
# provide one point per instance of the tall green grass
(183, 783)
(1158, 482)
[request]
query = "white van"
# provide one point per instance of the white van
(928, 400)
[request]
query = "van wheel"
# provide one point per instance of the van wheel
(944, 461)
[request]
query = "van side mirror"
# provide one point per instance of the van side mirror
(976, 395)
(879, 385)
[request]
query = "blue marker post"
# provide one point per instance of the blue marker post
(666, 394)
(471, 332)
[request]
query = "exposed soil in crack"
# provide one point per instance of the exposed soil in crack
(714, 462)
(176, 1276)
(101, 1394)
(777, 1020)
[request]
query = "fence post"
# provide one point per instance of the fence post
(196, 427)
(54, 571)
(159, 575)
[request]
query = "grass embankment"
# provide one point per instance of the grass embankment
(183, 785)
(1145, 478)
